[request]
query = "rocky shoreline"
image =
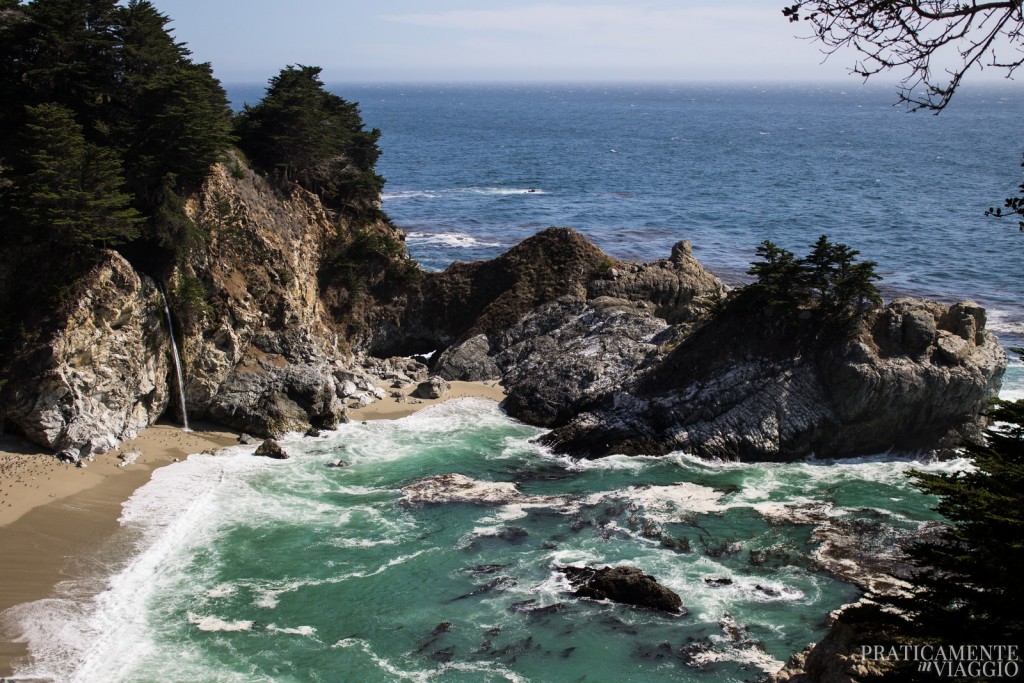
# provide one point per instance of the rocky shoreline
(614, 357)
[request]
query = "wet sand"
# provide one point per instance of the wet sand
(391, 408)
(53, 515)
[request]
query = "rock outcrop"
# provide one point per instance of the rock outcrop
(911, 376)
(458, 488)
(563, 354)
(624, 584)
(260, 353)
(272, 449)
(279, 335)
(100, 371)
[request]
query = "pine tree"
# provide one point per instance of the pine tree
(68, 56)
(843, 286)
(174, 120)
(829, 280)
(971, 588)
(780, 276)
(69, 191)
(309, 136)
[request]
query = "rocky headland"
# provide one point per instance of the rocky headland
(276, 334)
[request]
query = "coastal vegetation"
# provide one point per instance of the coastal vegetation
(828, 280)
(300, 132)
(117, 124)
(966, 589)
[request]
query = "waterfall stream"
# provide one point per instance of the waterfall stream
(177, 361)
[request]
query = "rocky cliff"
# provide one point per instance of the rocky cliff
(911, 376)
(288, 311)
(259, 350)
(96, 370)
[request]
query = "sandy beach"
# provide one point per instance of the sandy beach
(55, 516)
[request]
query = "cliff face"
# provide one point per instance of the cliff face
(258, 352)
(288, 311)
(99, 371)
(912, 376)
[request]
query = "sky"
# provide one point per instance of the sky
(502, 40)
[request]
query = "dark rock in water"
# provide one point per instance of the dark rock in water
(272, 449)
(435, 635)
(627, 585)
(312, 432)
(517, 648)
(530, 607)
(690, 653)
(485, 568)
(768, 590)
(617, 625)
(338, 463)
(717, 581)
(567, 652)
(500, 583)
(444, 655)
(659, 651)
(513, 534)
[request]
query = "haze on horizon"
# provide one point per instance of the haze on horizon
(501, 40)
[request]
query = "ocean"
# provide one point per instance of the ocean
(235, 568)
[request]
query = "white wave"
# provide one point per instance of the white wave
(361, 542)
(1012, 394)
(409, 194)
(1004, 322)
(298, 630)
(363, 490)
(458, 240)
(83, 641)
(210, 623)
(751, 655)
(502, 191)
(224, 590)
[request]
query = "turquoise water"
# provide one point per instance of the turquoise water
(240, 568)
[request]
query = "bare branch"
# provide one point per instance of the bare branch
(906, 35)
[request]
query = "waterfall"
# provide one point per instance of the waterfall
(177, 361)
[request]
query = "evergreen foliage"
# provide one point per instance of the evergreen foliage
(141, 123)
(967, 590)
(70, 191)
(829, 279)
(307, 135)
(971, 586)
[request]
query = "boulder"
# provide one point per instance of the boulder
(624, 584)
(272, 449)
(435, 387)
(458, 488)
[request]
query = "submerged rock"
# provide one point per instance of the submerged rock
(627, 585)
(458, 488)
